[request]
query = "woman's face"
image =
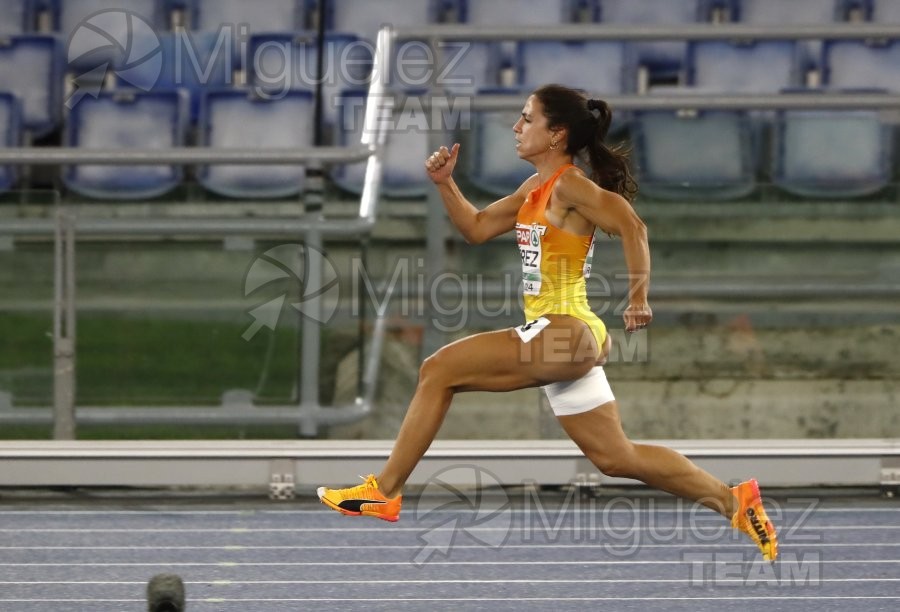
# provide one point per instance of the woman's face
(533, 137)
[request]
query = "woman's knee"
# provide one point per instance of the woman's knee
(619, 464)
(435, 369)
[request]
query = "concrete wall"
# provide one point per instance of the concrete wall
(718, 382)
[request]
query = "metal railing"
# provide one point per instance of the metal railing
(66, 228)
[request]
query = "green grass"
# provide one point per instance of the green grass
(147, 361)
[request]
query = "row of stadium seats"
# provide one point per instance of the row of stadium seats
(363, 16)
(33, 69)
(210, 96)
(677, 155)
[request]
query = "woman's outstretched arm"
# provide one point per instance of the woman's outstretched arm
(476, 226)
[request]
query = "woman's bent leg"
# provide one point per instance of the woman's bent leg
(492, 361)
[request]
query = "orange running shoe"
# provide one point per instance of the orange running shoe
(362, 500)
(751, 518)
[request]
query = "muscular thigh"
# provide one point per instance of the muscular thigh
(502, 361)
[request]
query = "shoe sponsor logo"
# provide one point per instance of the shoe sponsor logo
(757, 526)
(355, 505)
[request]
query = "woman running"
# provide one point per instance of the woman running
(563, 345)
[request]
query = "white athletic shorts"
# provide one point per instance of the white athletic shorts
(580, 395)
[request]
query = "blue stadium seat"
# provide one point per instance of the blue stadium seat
(462, 67)
(852, 64)
(31, 67)
(15, 16)
(528, 12)
(525, 13)
(114, 33)
(885, 11)
(405, 150)
(122, 120)
(790, 12)
(598, 67)
(664, 59)
(807, 162)
(489, 160)
(364, 17)
(258, 15)
(10, 136)
(192, 61)
(752, 67)
(242, 119)
(704, 155)
(241, 19)
(794, 12)
(284, 62)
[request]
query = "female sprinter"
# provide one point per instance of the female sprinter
(564, 344)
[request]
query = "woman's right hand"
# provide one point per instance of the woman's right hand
(441, 163)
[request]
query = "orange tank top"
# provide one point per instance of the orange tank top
(555, 262)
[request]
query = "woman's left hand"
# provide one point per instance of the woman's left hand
(637, 316)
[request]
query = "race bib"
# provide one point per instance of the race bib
(529, 240)
(587, 260)
(531, 329)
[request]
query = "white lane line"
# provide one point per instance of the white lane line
(586, 545)
(426, 527)
(420, 528)
(520, 511)
(395, 582)
(478, 599)
(405, 563)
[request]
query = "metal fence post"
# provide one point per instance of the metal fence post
(64, 327)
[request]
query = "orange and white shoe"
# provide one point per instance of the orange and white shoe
(362, 500)
(751, 518)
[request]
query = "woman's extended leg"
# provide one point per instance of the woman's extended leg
(599, 435)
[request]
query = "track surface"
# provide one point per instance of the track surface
(498, 551)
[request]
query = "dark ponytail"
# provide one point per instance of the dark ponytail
(588, 122)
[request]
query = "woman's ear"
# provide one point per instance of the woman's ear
(559, 135)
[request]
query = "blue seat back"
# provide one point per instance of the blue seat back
(754, 67)
(285, 62)
(191, 61)
(405, 150)
(794, 12)
(807, 162)
(460, 67)
(775, 12)
(598, 67)
(851, 64)
(258, 15)
(364, 18)
(10, 136)
(31, 67)
(121, 120)
(885, 11)
(528, 12)
(116, 33)
(662, 54)
(15, 16)
(702, 155)
(243, 120)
